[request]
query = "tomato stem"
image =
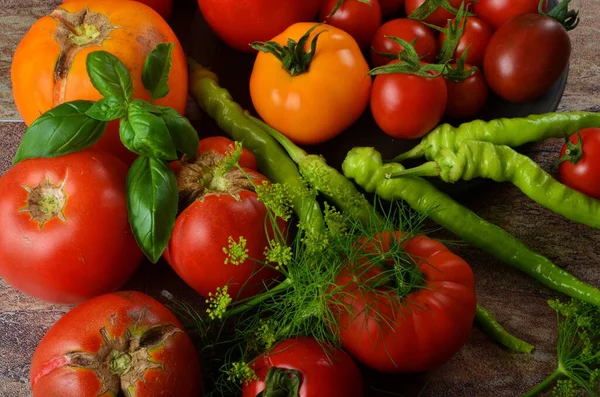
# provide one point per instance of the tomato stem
(574, 151)
(569, 19)
(282, 382)
(409, 62)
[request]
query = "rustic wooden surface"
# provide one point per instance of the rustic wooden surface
(481, 368)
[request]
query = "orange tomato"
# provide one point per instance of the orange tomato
(314, 106)
(163, 7)
(48, 66)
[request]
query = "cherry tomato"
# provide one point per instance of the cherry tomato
(359, 19)
(408, 106)
(416, 333)
(330, 373)
(467, 97)
(526, 56)
(390, 7)
(497, 12)
(408, 30)
(584, 174)
(312, 107)
(475, 37)
(64, 230)
(123, 343)
(240, 23)
(440, 16)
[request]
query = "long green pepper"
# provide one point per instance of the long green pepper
(476, 159)
(504, 131)
(366, 167)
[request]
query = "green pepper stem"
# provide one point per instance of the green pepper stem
(294, 151)
(488, 324)
(544, 384)
(257, 299)
(414, 153)
(431, 168)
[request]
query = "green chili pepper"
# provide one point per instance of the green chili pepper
(488, 324)
(475, 159)
(366, 167)
(510, 132)
(272, 160)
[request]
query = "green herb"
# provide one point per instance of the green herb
(109, 75)
(155, 75)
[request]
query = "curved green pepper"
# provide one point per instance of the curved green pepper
(366, 167)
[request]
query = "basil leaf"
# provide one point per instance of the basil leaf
(107, 109)
(151, 204)
(61, 130)
(184, 136)
(109, 75)
(145, 133)
(157, 66)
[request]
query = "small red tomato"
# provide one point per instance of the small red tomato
(408, 106)
(119, 344)
(390, 7)
(360, 20)
(440, 16)
(583, 172)
(475, 37)
(497, 12)
(407, 30)
(321, 373)
(467, 97)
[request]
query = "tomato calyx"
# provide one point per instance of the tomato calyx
(454, 31)
(294, 58)
(429, 7)
(282, 382)
(74, 32)
(408, 62)
(574, 151)
(569, 19)
(459, 72)
(46, 201)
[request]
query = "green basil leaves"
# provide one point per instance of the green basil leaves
(109, 75)
(156, 71)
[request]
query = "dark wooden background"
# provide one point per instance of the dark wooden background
(481, 368)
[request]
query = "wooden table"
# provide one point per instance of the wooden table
(481, 368)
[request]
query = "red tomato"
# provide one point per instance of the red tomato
(467, 97)
(224, 213)
(440, 16)
(360, 20)
(408, 30)
(124, 343)
(407, 106)
(64, 231)
(390, 7)
(497, 12)
(526, 56)
(584, 174)
(475, 37)
(413, 334)
(163, 7)
(240, 23)
(330, 373)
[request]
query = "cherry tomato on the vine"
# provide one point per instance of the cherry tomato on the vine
(583, 172)
(407, 30)
(475, 37)
(497, 12)
(467, 97)
(356, 18)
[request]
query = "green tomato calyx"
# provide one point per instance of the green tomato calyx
(282, 382)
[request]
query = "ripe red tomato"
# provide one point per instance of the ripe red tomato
(360, 20)
(440, 16)
(224, 213)
(240, 23)
(64, 230)
(408, 30)
(123, 343)
(497, 12)
(475, 37)
(406, 106)
(467, 97)
(390, 7)
(526, 56)
(330, 373)
(413, 334)
(584, 174)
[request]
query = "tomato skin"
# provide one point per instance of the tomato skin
(475, 37)
(583, 176)
(517, 67)
(240, 23)
(408, 106)
(408, 30)
(391, 7)
(497, 12)
(467, 97)
(36, 91)
(80, 331)
(163, 7)
(312, 107)
(415, 334)
(360, 20)
(331, 373)
(93, 251)
(440, 16)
